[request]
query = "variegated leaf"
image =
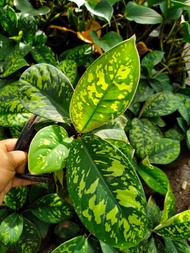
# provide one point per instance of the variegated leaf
(169, 205)
(43, 54)
(175, 228)
(11, 229)
(16, 197)
(164, 151)
(106, 88)
(143, 136)
(30, 238)
(46, 91)
(48, 150)
(51, 209)
(106, 192)
(153, 213)
(160, 104)
(76, 245)
(12, 112)
(69, 68)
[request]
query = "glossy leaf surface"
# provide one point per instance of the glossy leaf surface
(106, 192)
(169, 205)
(12, 112)
(43, 54)
(51, 209)
(48, 150)
(30, 239)
(16, 197)
(11, 229)
(175, 228)
(46, 91)
(76, 245)
(154, 177)
(106, 88)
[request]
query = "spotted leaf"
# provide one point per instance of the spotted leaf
(30, 238)
(16, 197)
(48, 150)
(169, 205)
(46, 91)
(12, 112)
(160, 104)
(106, 88)
(154, 177)
(106, 192)
(164, 151)
(175, 228)
(51, 209)
(43, 54)
(76, 245)
(8, 20)
(69, 68)
(11, 229)
(143, 136)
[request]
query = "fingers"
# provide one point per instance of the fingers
(18, 160)
(8, 144)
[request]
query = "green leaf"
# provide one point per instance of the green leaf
(143, 136)
(144, 92)
(152, 247)
(26, 8)
(7, 46)
(170, 247)
(8, 20)
(107, 87)
(11, 229)
(175, 228)
(12, 112)
(160, 104)
(16, 197)
(153, 213)
(69, 68)
(80, 54)
(154, 177)
(39, 190)
(48, 150)
(30, 238)
(149, 61)
(182, 246)
(160, 83)
(3, 213)
(107, 248)
(41, 226)
(169, 205)
(46, 91)
(76, 245)
(142, 14)
(43, 54)
(13, 62)
(108, 41)
(184, 106)
(174, 133)
(51, 209)
(28, 25)
(164, 151)
(106, 192)
(102, 9)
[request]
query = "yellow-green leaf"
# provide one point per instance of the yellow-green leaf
(106, 88)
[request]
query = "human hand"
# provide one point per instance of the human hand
(11, 162)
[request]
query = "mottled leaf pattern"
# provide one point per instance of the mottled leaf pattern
(153, 213)
(160, 104)
(106, 192)
(12, 112)
(175, 228)
(143, 136)
(8, 20)
(76, 245)
(16, 197)
(164, 151)
(45, 91)
(169, 205)
(48, 150)
(184, 106)
(30, 239)
(43, 54)
(154, 177)
(69, 68)
(51, 209)
(11, 229)
(106, 88)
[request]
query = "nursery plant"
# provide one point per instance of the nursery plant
(100, 121)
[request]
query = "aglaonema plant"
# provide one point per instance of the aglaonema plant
(102, 183)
